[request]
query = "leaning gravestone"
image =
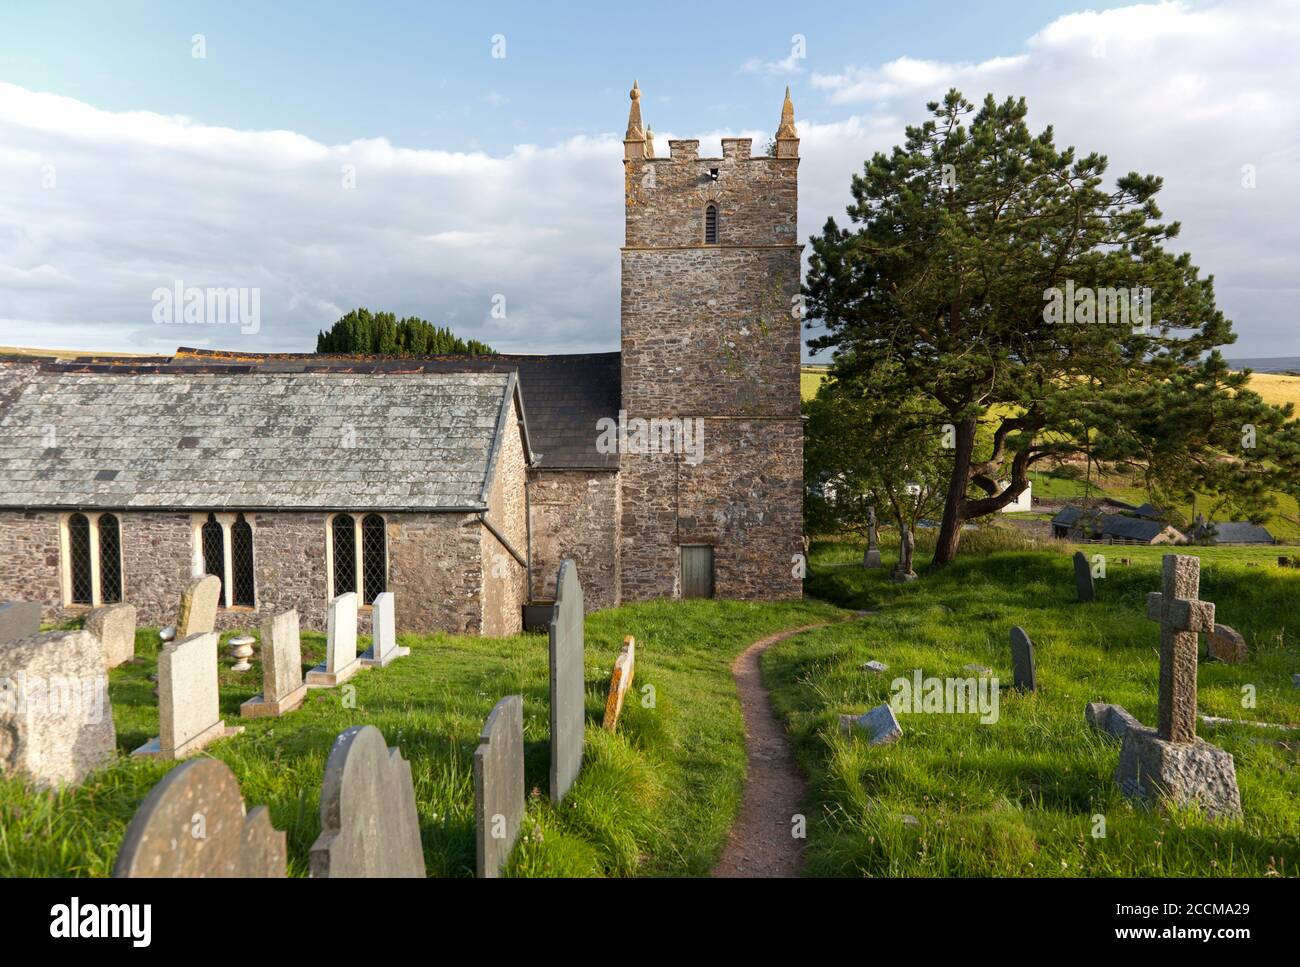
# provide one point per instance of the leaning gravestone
(114, 626)
(19, 619)
(568, 694)
(1083, 578)
(1170, 762)
(383, 648)
(1024, 673)
(1226, 645)
(282, 686)
(193, 824)
(879, 723)
(369, 823)
(499, 785)
(189, 700)
(1114, 720)
(341, 661)
(619, 682)
(199, 607)
(56, 724)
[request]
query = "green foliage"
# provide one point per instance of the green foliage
(962, 236)
(366, 333)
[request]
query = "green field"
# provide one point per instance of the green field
(1020, 797)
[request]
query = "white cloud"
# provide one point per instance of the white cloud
(139, 200)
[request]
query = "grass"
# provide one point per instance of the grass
(656, 798)
(1022, 796)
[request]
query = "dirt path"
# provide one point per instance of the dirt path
(761, 842)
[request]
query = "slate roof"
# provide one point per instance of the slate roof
(564, 395)
(1241, 532)
(1149, 511)
(1131, 528)
(1066, 516)
(159, 436)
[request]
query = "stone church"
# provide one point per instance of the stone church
(671, 469)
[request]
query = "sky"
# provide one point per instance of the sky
(462, 162)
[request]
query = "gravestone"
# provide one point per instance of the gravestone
(199, 607)
(193, 824)
(282, 686)
(19, 619)
(341, 661)
(619, 682)
(1083, 578)
(114, 626)
(875, 667)
(1170, 762)
(384, 648)
(369, 823)
(189, 701)
(56, 723)
(879, 723)
(499, 785)
(872, 557)
(1024, 674)
(1114, 720)
(568, 694)
(1226, 645)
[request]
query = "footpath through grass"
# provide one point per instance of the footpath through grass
(657, 798)
(1024, 796)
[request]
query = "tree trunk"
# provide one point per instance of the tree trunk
(945, 550)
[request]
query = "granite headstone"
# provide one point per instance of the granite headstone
(282, 686)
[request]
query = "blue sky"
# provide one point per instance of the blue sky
(334, 155)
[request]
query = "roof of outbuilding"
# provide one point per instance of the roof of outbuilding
(1131, 528)
(149, 436)
(1240, 532)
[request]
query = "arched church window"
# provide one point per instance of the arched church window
(374, 551)
(110, 559)
(79, 559)
(344, 543)
(241, 564)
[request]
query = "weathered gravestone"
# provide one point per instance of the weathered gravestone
(1114, 720)
(1226, 644)
(193, 824)
(872, 556)
(369, 823)
(19, 619)
(1083, 578)
(114, 626)
(879, 723)
(499, 785)
(189, 700)
(199, 607)
(568, 694)
(1170, 762)
(384, 648)
(619, 682)
(56, 724)
(341, 661)
(282, 686)
(1024, 674)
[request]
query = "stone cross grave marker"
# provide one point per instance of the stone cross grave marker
(1083, 578)
(340, 662)
(189, 700)
(384, 648)
(199, 607)
(369, 823)
(193, 824)
(499, 785)
(114, 626)
(282, 686)
(568, 692)
(1170, 762)
(19, 619)
(56, 723)
(1181, 616)
(1024, 673)
(872, 557)
(619, 683)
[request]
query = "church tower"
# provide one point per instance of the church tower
(711, 337)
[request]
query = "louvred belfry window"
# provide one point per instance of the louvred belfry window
(711, 225)
(243, 592)
(344, 542)
(79, 559)
(110, 559)
(374, 556)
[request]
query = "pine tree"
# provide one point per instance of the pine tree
(366, 333)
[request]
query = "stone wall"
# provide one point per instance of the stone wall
(505, 581)
(435, 571)
(576, 514)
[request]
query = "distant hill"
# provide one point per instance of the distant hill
(1268, 364)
